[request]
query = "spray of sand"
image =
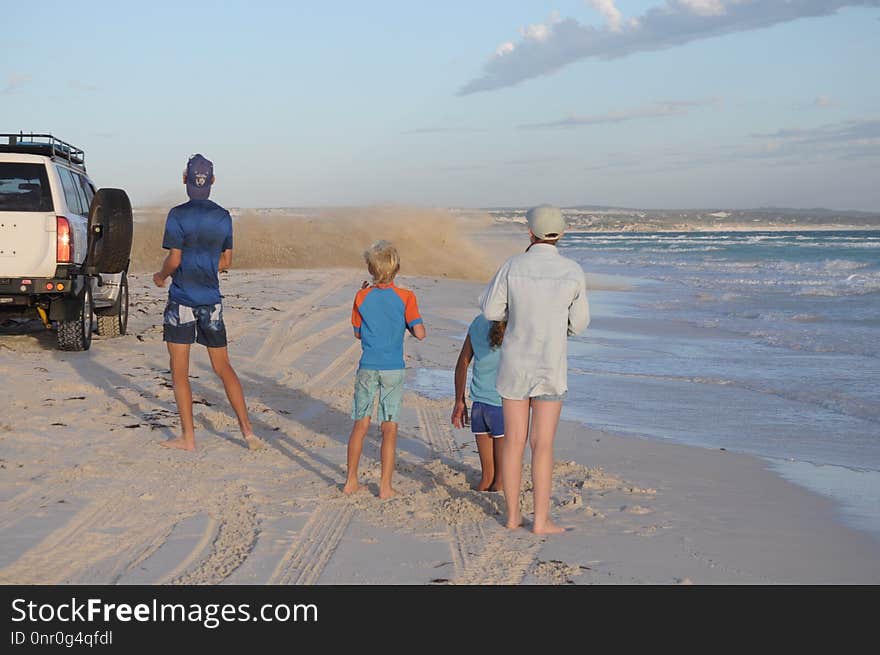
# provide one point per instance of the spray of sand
(431, 242)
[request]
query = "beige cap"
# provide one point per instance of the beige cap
(546, 221)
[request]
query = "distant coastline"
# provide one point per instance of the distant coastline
(609, 219)
(754, 227)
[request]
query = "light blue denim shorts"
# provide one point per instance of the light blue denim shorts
(551, 396)
(387, 384)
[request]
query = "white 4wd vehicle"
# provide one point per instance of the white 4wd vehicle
(64, 246)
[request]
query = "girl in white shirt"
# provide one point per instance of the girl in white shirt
(542, 295)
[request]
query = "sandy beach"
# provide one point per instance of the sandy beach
(88, 496)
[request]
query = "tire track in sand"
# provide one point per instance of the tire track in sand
(236, 536)
(306, 559)
(41, 494)
(462, 539)
(21, 506)
(104, 529)
(337, 370)
(436, 433)
(287, 325)
(110, 537)
(289, 354)
(504, 558)
(481, 554)
(208, 534)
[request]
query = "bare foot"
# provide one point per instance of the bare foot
(181, 443)
(496, 487)
(385, 494)
(549, 528)
(482, 485)
(514, 523)
(352, 486)
(254, 442)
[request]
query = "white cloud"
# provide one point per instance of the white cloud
(704, 7)
(540, 31)
(535, 33)
(609, 11)
(504, 48)
(547, 47)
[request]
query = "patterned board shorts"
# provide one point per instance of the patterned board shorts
(203, 324)
(389, 386)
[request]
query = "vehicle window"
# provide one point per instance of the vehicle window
(70, 193)
(84, 204)
(88, 190)
(24, 188)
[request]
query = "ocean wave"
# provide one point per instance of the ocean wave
(844, 265)
(682, 248)
(829, 292)
(811, 342)
(834, 401)
(850, 245)
(806, 318)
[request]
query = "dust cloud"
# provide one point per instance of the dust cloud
(431, 242)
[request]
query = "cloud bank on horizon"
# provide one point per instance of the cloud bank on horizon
(547, 47)
(656, 110)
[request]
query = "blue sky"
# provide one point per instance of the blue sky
(661, 103)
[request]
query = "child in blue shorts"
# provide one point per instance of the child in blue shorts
(483, 346)
(381, 315)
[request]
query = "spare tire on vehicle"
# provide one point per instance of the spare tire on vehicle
(110, 231)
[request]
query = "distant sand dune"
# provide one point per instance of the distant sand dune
(431, 242)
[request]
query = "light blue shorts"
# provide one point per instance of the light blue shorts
(387, 384)
(551, 397)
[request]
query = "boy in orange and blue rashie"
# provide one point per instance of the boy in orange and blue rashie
(381, 314)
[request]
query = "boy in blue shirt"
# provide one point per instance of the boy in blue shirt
(198, 236)
(381, 314)
(483, 346)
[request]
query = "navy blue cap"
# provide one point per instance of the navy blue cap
(199, 177)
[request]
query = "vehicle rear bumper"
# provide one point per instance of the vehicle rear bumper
(18, 290)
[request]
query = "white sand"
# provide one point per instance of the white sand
(87, 495)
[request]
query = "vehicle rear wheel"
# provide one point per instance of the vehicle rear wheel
(115, 323)
(76, 335)
(110, 231)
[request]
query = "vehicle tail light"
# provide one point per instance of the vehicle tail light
(64, 249)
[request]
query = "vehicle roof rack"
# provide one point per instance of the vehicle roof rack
(43, 144)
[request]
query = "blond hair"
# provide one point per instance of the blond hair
(383, 261)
